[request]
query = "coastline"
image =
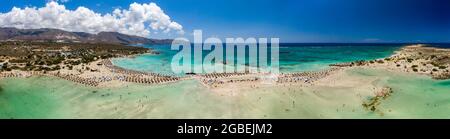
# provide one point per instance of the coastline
(338, 92)
(418, 59)
(339, 95)
(102, 72)
(98, 73)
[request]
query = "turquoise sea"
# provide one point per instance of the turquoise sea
(46, 97)
(292, 57)
(415, 96)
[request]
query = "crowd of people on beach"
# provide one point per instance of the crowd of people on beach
(222, 75)
(20, 74)
(137, 76)
(306, 77)
(215, 79)
(77, 79)
(115, 69)
(9, 75)
(119, 74)
(72, 78)
(148, 80)
(210, 79)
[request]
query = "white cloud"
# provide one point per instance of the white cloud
(139, 19)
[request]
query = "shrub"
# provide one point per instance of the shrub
(433, 56)
(410, 60)
(435, 64)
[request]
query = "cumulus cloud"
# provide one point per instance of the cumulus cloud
(139, 19)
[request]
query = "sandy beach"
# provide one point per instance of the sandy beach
(364, 90)
(103, 73)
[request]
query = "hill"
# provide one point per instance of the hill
(57, 35)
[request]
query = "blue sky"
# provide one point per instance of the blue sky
(295, 20)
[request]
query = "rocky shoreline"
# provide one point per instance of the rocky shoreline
(414, 59)
(420, 59)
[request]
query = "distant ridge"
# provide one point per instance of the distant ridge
(47, 34)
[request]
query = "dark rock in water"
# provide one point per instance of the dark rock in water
(350, 64)
(341, 65)
(441, 76)
(373, 102)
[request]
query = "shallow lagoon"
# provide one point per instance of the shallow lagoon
(293, 57)
(414, 96)
(45, 97)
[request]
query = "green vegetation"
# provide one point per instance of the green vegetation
(435, 64)
(410, 60)
(373, 103)
(49, 55)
